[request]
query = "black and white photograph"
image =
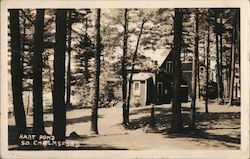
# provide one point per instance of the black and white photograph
(124, 79)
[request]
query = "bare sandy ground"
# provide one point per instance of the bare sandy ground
(220, 129)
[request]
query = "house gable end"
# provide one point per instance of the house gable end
(168, 58)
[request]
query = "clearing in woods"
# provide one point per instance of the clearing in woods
(220, 129)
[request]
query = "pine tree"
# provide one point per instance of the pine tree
(218, 60)
(59, 109)
(38, 126)
(124, 69)
(132, 69)
(16, 78)
(176, 123)
(207, 64)
(94, 115)
(235, 48)
(68, 103)
(194, 73)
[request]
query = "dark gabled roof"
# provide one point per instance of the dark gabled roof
(169, 57)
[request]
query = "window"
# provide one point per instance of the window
(201, 69)
(169, 67)
(136, 88)
(159, 88)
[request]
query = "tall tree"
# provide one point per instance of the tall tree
(232, 73)
(38, 126)
(132, 69)
(237, 21)
(88, 46)
(221, 58)
(94, 115)
(124, 68)
(59, 109)
(194, 72)
(68, 103)
(177, 123)
(16, 75)
(207, 63)
(218, 61)
(235, 47)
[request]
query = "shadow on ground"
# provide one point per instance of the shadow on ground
(81, 147)
(72, 120)
(218, 127)
(13, 143)
(207, 124)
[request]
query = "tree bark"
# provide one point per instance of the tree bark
(22, 58)
(194, 74)
(132, 70)
(218, 64)
(176, 123)
(59, 109)
(235, 46)
(231, 97)
(124, 69)
(16, 75)
(207, 64)
(38, 125)
(23, 46)
(238, 44)
(221, 63)
(68, 103)
(230, 65)
(198, 79)
(94, 116)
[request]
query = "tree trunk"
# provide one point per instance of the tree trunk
(235, 46)
(230, 65)
(218, 64)
(238, 44)
(23, 46)
(59, 109)
(132, 70)
(208, 64)
(68, 103)
(194, 74)
(94, 116)
(16, 75)
(176, 123)
(38, 126)
(124, 69)
(198, 79)
(221, 63)
(22, 59)
(232, 70)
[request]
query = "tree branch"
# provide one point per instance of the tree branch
(27, 17)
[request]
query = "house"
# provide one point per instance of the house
(156, 86)
(164, 80)
(142, 91)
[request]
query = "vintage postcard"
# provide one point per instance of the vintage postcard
(125, 79)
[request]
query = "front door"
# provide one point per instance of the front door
(164, 92)
(160, 92)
